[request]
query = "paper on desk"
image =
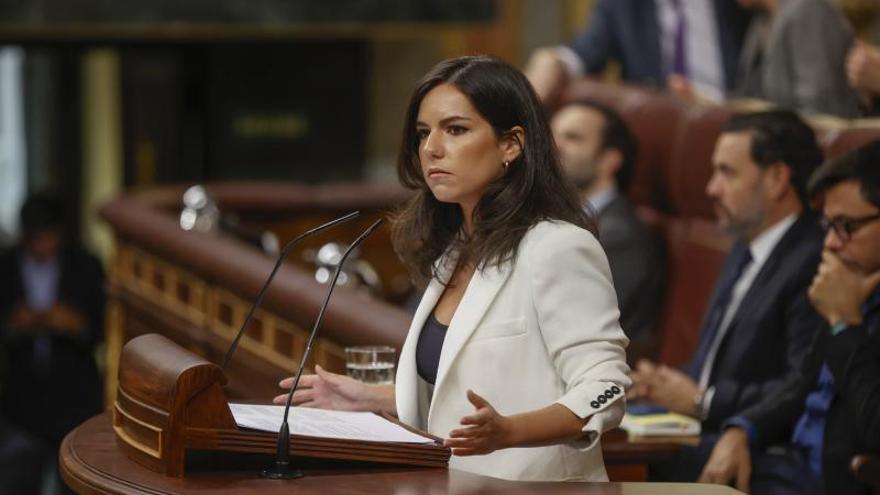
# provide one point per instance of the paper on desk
(342, 425)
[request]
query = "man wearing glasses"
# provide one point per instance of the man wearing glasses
(803, 439)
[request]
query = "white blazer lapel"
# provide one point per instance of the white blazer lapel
(406, 382)
(480, 293)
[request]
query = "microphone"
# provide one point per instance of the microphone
(281, 469)
(281, 257)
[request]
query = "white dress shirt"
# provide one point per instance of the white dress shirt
(40, 279)
(702, 50)
(760, 248)
(600, 200)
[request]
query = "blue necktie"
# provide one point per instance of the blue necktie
(740, 259)
(679, 49)
(809, 431)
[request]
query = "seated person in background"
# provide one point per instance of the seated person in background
(794, 56)
(51, 320)
(863, 74)
(598, 153)
(759, 322)
(697, 41)
(830, 410)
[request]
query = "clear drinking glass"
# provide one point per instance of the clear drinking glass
(370, 363)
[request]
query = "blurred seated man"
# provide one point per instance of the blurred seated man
(794, 56)
(759, 322)
(830, 410)
(695, 42)
(863, 74)
(51, 319)
(598, 153)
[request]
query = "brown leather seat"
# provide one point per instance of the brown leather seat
(838, 141)
(691, 163)
(695, 249)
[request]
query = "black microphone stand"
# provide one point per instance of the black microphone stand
(281, 258)
(281, 469)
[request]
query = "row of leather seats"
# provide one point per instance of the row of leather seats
(676, 140)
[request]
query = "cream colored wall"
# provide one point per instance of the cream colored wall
(577, 14)
(102, 154)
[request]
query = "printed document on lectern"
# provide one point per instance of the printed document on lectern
(322, 423)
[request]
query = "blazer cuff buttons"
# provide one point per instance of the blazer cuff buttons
(602, 399)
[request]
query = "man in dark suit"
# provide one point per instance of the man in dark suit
(830, 410)
(51, 320)
(697, 41)
(759, 322)
(598, 152)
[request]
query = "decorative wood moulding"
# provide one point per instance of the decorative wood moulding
(146, 222)
(217, 310)
(170, 286)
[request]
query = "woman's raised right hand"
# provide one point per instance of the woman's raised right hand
(326, 390)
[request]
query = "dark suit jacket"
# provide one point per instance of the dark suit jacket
(793, 67)
(628, 31)
(49, 400)
(636, 265)
(853, 423)
(772, 328)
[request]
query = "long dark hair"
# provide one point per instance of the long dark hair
(531, 190)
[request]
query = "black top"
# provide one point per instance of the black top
(428, 348)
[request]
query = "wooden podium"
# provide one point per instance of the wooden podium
(170, 406)
(92, 464)
(171, 409)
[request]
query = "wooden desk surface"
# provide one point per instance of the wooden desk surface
(91, 463)
(617, 448)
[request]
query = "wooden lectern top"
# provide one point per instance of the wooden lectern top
(170, 408)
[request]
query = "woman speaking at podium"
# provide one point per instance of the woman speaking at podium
(515, 355)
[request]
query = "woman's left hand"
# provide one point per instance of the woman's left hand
(485, 431)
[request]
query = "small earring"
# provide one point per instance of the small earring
(506, 164)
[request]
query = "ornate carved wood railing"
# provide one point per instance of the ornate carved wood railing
(196, 288)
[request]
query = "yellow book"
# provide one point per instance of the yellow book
(661, 425)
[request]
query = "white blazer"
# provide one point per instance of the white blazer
(540, 330)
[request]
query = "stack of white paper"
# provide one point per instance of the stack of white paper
(322, 423)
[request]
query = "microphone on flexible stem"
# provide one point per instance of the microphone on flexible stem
(281, 469)
(281, 258)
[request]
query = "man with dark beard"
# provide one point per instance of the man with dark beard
(598, 154)
(759, 322)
